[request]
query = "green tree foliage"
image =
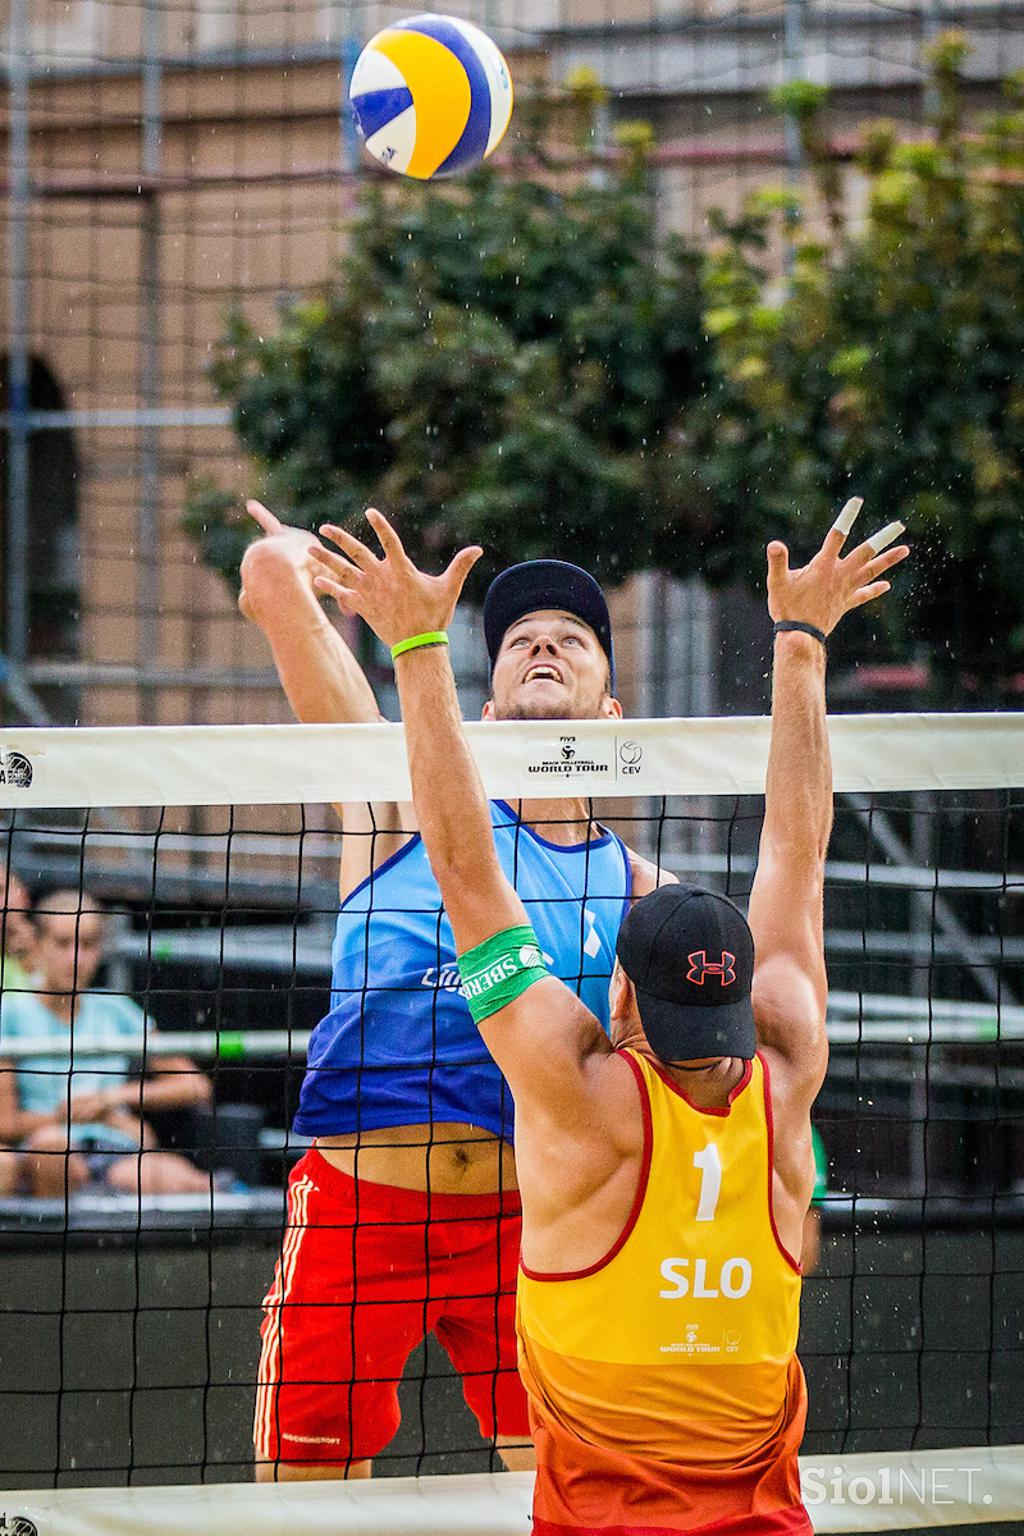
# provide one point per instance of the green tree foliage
(888, 364)
(525, 362)
(495, 361)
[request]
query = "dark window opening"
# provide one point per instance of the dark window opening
(54, 599)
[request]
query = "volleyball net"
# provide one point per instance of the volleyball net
(132, 1300)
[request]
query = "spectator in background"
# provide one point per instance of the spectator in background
(73, 1128)
(16, 932)
(810, 1252)
(16, 935)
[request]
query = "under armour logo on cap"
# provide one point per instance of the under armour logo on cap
(701, 966)
(671, 941)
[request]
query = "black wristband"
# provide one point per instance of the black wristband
(783, 625)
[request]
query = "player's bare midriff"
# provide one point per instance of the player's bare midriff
(446, 1158)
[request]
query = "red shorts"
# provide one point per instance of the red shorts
(366, 1272)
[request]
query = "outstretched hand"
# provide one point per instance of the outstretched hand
(821, 592)
(282, 552)
(395, 598)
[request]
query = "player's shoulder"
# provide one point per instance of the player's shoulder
(600, 1104)
(546, 1041)
(646, 875)
(620, 1089)
(555, 1010)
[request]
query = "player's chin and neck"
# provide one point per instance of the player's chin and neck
(551, 705)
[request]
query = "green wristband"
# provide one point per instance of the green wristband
(500, 969)
(432, 637)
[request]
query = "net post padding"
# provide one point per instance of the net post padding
(915, 1490)
(314, 764)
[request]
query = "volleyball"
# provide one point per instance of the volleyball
(431, 96)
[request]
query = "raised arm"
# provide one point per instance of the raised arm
(399, 602)
(323, 680)
(787, 902)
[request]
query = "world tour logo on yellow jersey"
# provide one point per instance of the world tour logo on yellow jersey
(727, 1343)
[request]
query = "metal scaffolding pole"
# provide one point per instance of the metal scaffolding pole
(351, 156)
(148, 519)
(118, 420)
(793, 69)
(931, 25)
(18, 378)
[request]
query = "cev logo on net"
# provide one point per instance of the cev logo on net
(630, 757)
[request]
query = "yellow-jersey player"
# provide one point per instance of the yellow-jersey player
(665, 1174)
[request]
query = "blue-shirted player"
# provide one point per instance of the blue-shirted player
(404, 1219)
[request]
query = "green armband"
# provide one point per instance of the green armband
(500, 969)
(431, 637)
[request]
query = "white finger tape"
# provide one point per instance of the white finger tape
(885, 536)
(848, 516)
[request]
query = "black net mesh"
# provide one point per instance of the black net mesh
(133, 1276)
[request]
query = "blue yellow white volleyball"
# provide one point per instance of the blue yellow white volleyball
(431, 96)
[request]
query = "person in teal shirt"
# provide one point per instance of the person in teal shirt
(16, 937)
(80, 1120)
(17, 932)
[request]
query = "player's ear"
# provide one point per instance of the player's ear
(620, 993)
(487, 713)
(611, 709)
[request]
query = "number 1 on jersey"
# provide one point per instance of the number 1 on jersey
(710, 1165)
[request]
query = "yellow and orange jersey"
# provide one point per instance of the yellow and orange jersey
(664, 1386)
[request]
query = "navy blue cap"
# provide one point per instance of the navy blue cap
(689, 953)
(537, 584)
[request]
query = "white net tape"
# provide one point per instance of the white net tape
(918, 1490)
(216, 765)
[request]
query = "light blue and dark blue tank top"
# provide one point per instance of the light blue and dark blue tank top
(399, 1046)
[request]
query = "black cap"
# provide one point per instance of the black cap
(537, 584)
(690, 955)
